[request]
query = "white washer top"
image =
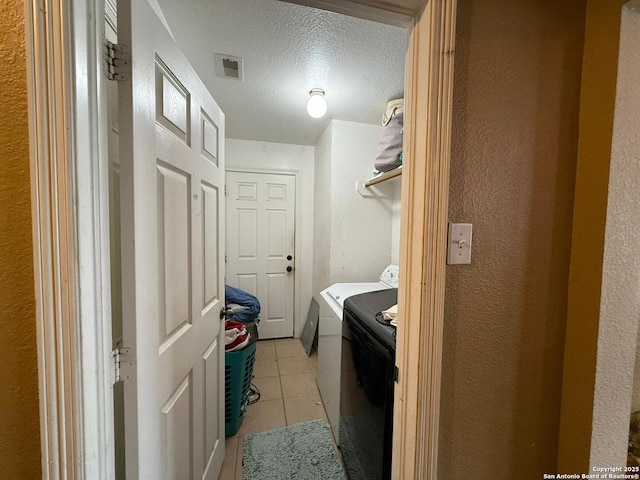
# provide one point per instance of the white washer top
(336, 294)
(390, 276)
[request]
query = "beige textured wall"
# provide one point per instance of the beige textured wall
(515, 134)
(599, 74)
(19, 421)
(620, 297)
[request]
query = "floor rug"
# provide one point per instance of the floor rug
(303, 451)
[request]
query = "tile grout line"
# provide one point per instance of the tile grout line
(235, 460)
(284, 408)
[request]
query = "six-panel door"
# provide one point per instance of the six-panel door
(172, 217)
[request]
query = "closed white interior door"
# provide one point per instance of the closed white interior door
(260, 245)
(172, 217)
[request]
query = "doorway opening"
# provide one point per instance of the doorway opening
(84, 394)
(328, 160)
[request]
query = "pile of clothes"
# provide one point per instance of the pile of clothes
(242, 312)
(237, 336)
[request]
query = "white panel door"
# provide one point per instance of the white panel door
(260, 245)
(172, 213)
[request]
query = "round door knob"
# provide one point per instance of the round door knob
(289, 269)
(289, 257)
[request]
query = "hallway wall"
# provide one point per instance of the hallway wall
(620, 297)
(597, 103)
(352, 233)
(19, 413)
(322, 212)
(360, 226)
(515, 134)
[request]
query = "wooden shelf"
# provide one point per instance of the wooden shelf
(383, 177)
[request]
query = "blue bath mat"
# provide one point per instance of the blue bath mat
(303, 451)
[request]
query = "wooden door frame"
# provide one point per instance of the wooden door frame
(423, 226)
(297, 287)
(69, 178)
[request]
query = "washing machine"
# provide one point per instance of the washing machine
(330, 338)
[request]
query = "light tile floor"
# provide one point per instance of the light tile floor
(286, 378)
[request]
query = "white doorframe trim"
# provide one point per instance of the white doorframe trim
(70, 206)
(297, 286)
(70, 236)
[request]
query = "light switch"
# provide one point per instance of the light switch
(459, 251)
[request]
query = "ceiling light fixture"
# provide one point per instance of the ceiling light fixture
(317, 105)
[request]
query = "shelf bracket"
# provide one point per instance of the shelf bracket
(367, 188)
(370, 192)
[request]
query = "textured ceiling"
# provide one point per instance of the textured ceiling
(288, 50)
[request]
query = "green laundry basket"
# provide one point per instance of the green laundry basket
(238, 371)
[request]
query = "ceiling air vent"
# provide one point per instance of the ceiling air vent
(228, 66)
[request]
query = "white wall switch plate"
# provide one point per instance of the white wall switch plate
(459, 248)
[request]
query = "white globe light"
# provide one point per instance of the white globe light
(317, 105)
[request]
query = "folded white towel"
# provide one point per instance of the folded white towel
(391, 314)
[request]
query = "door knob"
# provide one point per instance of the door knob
(289, 269)
(289, 257)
